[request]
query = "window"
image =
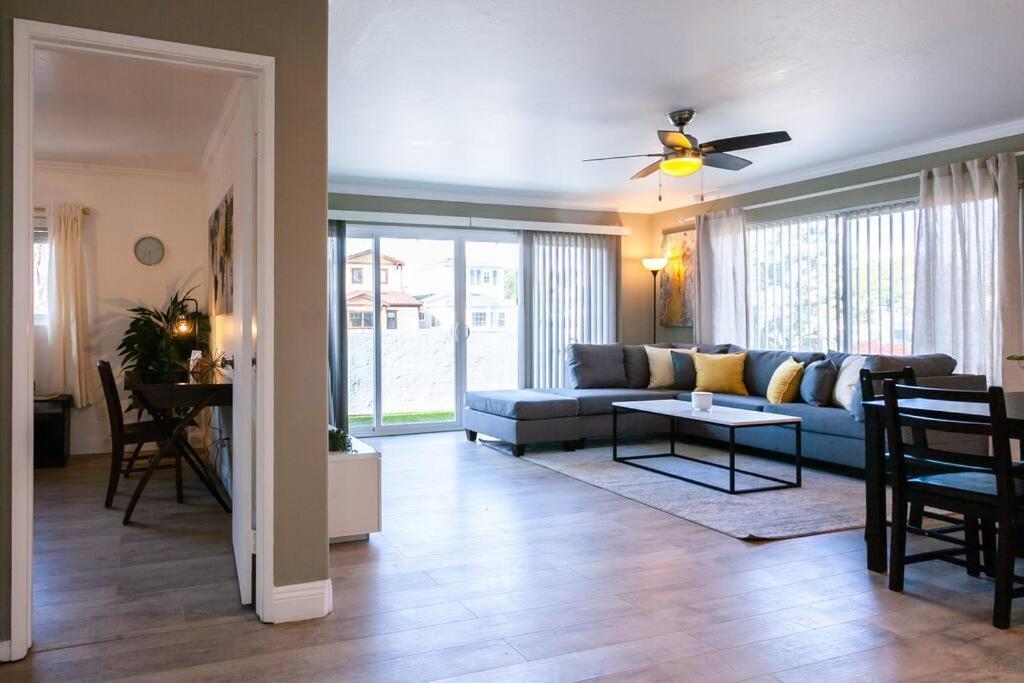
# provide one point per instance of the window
(501, 319)
(474, 276)
(383, 276)
(478, 319)
(841, 280)
(357, 276)
(392, 320)
(487, 277)
(40, 267)
(360, 319)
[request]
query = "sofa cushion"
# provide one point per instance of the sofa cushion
(661, 367)
(731, 401)
(818, 382)
(785, 384)
(523, 404)
(638, 369)
(599, 401)
(710, 348)
(721, 373)
(821, 420)
(924, 365)
(685, 371)
(595, 365)
(846, 393)
(761, 365)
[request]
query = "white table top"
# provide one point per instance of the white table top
(719, 415)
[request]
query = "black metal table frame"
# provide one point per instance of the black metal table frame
(731, 467)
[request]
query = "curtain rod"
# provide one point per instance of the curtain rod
(85, 209)
(882, 181)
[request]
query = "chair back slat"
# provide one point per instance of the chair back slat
(905, 376)
(114, 412)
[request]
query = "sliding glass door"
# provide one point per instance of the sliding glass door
(431, 313)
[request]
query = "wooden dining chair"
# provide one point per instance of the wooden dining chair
(126, 434)
(983, 487)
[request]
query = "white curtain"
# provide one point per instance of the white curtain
(968, 299)
(571, 295)
(721, 278)
(70, 369)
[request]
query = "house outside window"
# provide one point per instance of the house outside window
(478, 319)
(392, 320)
(501, 318)
(357, 276)
(360, 319)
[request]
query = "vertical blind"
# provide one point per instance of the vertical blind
(571, 283)
(840, 280)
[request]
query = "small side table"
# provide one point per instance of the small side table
(353, 493)
(52, 434)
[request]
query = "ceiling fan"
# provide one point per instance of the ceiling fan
(683, 155)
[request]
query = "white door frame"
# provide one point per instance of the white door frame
(459, 237)
(32, 35)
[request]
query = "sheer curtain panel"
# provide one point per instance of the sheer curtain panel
(967, 300)
(721, 278)
(68, 313)
(571, 295)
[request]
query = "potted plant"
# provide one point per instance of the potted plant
(338, 441)
(154, 348)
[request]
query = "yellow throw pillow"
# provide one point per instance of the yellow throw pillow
(784, 386)
(721, 372)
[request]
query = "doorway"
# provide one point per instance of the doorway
(430, 314)
(40, 52)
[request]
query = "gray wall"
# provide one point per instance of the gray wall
(669, 221)
(295, 33)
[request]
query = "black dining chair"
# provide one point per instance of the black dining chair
(124, 434)
(983, 487)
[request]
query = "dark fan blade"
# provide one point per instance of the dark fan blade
(647, 170)
(745, 142)
(673, 138)
(726, 161)
(628, 156)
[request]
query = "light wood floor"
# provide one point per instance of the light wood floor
(492, 569)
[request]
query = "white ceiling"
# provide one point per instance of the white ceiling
(499, 101)
(130, 113)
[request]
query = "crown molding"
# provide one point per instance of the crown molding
(223, 125)
(963, 139)
(102, 169)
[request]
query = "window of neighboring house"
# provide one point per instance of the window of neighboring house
(487, 277)
(474, 276)
(392, 320)
(360, 319)
(383, 276)
(40, 268)
(478, 319)
(842, 280)
(501, 319)
(357, 276)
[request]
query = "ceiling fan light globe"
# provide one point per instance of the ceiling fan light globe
(682, 164)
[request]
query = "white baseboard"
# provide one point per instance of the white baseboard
(5, 651)
(300, 601)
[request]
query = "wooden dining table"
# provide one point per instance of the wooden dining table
(875, 534)
(174, 408)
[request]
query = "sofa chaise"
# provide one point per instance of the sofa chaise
(599, 374)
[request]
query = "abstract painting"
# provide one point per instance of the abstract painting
(222, 266)
(678, 294)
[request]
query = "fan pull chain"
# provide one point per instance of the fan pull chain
(659, 184)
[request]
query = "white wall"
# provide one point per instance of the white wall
(125, 206)
(230, 167)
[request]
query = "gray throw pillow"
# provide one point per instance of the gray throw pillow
(924, 365)
(818, 381)
(761, 365)
(638, 368)
(595, 366)
(686, 372)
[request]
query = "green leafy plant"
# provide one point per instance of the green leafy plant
(150, 348)
(338, 440)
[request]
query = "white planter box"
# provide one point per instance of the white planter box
(353, 493)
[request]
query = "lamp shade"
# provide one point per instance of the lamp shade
(655, 264)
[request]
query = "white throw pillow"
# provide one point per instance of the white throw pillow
(847, 381)
(663, 371)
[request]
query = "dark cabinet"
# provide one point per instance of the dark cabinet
(52, 431)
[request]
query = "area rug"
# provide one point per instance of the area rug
(825, 503)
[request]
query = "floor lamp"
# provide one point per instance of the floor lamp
(655, 265)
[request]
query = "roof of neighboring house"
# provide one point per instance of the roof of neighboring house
(387, 299)
(366, 257)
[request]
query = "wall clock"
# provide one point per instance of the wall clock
(149, 251)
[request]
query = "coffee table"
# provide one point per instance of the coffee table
(732, 418)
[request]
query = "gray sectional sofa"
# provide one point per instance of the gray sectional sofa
(598, 375)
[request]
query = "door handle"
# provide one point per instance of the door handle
(468, 331)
